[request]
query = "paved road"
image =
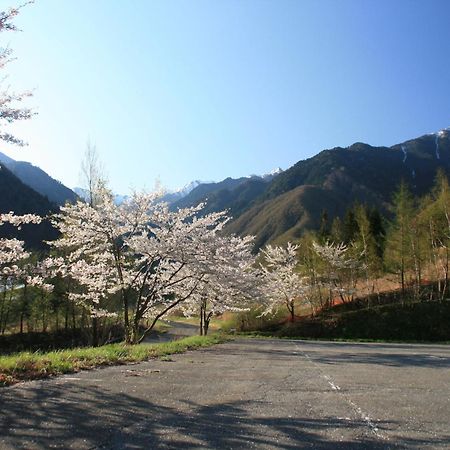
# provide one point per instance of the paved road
(244, 394)
(177, 330)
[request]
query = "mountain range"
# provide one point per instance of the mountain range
(233, 194)
(292, 202)
(279, 206)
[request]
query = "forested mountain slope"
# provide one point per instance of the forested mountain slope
(21, 199)
(335, 179)
(293, 201)
(39, 181)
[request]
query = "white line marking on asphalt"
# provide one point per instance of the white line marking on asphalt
(335, 387)
(367, 419)
(364, 416)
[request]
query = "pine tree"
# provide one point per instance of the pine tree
(400, 241)
(367, 246)
(349, 227)
(435, 219)
(336, 233)
(377, 229)
(324, 229)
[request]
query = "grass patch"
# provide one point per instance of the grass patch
(28, 366)
(248, 321)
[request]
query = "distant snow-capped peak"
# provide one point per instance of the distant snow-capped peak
(272, 173)
(440, 133)
(187, 188)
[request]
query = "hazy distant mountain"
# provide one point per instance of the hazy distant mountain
(197, 191)
(39, 180)
(173, 196)
(119, 199)
(84, 195)
(233, 194)
(18, 197)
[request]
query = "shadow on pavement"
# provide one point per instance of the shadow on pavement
(393, 360)
(71, 416)
(351, 354)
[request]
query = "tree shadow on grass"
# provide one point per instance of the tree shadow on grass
(70, 415)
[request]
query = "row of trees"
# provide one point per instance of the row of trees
(135, 262)
(419, 240)
(363, 253)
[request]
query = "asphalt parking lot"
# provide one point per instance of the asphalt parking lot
(262, 394)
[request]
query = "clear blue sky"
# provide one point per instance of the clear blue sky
(185, 90)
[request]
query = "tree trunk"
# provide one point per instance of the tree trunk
(2, 307)
(128, 332)
(291, 309)
(44, 315)
(402, 276)
(95, 331)
(204, 318)
(206, 321)
(66, 317)
(24, 307)
(201, 320)
(444, 290)
(8, 310)
(74, 321)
